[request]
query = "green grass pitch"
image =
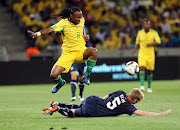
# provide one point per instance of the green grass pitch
(21, 107)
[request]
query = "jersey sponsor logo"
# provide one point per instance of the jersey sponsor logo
(115, 102)
(70, 30)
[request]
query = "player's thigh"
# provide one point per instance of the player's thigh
(66, 60)
(74, 67)
(150, 64)
(74, 71)
(74, 75)
(79, 56)
(88, 106)
(82, 68)
(84, 110)
(142, 61)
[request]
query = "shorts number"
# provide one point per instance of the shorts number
(78, 34)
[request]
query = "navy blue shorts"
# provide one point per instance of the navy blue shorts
(80, 67)
(87, 107)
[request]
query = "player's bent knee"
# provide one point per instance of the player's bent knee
(90, 52)
(53, 75)
(94, 52)
(142, 68)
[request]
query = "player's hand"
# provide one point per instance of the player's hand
(167, 112)
(34, 35)
(134, 53)
(86, 37)
(150, 45)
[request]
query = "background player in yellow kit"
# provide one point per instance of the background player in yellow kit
(146, 39)
(71, 27)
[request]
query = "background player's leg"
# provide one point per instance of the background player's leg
(90, 54)
(55, 75)
(142, 77)
(81, 87)
(149, 80)
(73, 84)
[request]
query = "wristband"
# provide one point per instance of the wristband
(38, 33)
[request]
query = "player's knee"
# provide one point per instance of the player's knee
(90, 52)
(81, 80)
(53, 75)
(142, 68)
(93, 52)
(149, 72)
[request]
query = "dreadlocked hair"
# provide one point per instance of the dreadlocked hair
(67, 11)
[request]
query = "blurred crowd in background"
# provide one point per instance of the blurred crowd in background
(111, 24)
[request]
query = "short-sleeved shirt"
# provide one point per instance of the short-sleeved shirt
(116, 104)
(72, 35)
(143, 39)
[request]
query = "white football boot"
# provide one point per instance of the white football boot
(73, 99)
(142, 88)
(81, 98)
(149, 90)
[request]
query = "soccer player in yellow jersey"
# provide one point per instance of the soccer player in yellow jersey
(71, 27)
(146, 39)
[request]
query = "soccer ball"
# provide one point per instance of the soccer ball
(132, 68)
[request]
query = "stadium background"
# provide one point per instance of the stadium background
(25, 84)
(111, 24)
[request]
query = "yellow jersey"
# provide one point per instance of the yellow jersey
(72, 35)
(144, 38)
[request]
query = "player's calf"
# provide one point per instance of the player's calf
(66, 112)
(91, 54)
(63, 105)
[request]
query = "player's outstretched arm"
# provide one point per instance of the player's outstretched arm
(42, 32)
(141, 113)
(105, 97)
(135, 49)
